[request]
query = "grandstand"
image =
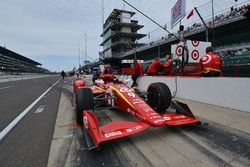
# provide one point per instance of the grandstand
(229, 35)
(14, 63)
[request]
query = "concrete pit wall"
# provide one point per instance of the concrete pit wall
(226, 92)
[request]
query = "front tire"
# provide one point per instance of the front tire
(159, 96)
(84, 101)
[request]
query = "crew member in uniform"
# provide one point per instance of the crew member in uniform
(210, 64)
(137, 71)
(154, 67)
(106, 75)
(168, 65)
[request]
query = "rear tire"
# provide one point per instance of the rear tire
(159, 96)
(84, 101)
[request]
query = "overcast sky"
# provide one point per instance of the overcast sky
(51, 31)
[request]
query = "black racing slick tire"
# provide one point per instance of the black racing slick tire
(84, 101)
(159, 97)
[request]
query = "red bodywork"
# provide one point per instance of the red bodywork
(77, 84)
(126, 70)
(128, 101)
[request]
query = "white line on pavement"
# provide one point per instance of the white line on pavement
(6, 87)
(39, 109)
(6, 130)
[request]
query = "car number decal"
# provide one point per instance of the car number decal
(131, 94)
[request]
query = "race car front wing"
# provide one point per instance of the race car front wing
(96, 134)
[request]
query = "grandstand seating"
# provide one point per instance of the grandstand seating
(12, 62)
(235, 57)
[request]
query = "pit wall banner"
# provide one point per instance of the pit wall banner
(178, 12)
(130, 61)
(196, 50)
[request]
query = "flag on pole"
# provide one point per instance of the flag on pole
(178, 12)
(190, 14)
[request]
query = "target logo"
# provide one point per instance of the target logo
(195, 54)
(179, 50)
(206, 59)
(195, 43)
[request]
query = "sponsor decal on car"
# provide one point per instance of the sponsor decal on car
(134, 128)
(159, 120)
(166, 118)
(121, 95)
(153, 113)
(147, 109)
(85, 122)
(125, 89)
(137, 101)
(155, 117)
(128, 110)
(109, 93)
(107, 135)
(181, 116)
(131, 94)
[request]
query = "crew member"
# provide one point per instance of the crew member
(210, 64)
(154, 67)
(63, 74)
(96, 74)
(137, 71)
(106, 69)
(168, 64)
(106, 74)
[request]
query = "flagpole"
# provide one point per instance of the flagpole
(181, 36)
(102, 12)
(149, 18)
(213, 12)
(79, 55)
(213, 28)
(202, 22)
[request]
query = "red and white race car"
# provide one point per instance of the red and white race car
(150, 108)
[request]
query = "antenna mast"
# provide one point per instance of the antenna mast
(102, 12)
(79, 54)
(85, 36)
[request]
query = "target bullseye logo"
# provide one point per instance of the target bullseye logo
(179, 50)
(206, 59)
(195, 54)
(195, 43)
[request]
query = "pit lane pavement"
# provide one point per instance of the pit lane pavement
(224, 142)
(28, 142)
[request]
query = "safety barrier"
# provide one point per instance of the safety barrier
(222, 91)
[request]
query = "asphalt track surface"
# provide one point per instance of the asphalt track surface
(48, 135)
(28, 143)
